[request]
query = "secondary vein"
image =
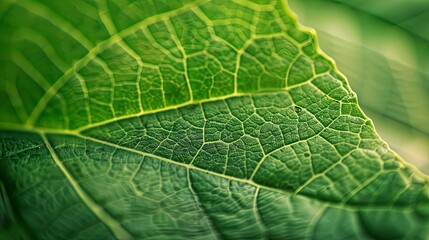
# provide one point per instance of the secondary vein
(98, 210)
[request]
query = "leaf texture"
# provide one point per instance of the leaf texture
(189, 120)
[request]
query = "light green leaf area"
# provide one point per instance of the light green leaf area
(188, 120)
(382, 47)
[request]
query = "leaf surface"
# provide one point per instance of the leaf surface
(189, 120)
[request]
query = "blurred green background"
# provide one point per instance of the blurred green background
(383, 48)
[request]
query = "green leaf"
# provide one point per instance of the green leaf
(382, 49)
(189, 120)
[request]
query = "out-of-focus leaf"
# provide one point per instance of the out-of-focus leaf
(382, 46)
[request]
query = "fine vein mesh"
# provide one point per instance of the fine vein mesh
(177, 57)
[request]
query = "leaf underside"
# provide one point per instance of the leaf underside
(188, 120)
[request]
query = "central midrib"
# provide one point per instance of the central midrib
(78, 133)
(342, 205)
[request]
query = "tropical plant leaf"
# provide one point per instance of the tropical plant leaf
(189, 120)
